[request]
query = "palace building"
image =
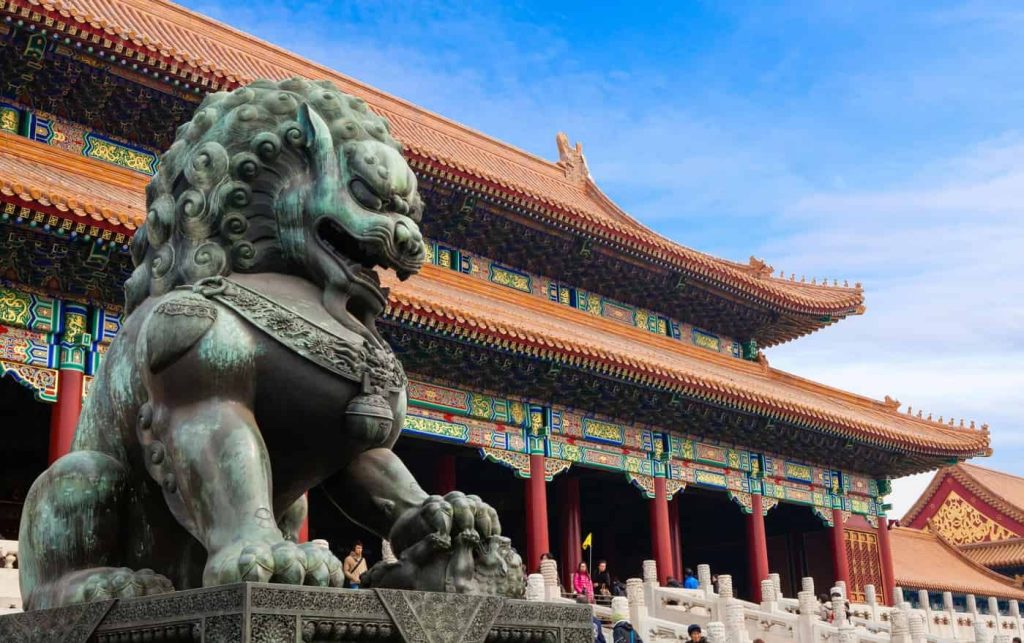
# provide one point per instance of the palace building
(578, 371)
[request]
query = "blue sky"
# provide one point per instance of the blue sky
(877, 142)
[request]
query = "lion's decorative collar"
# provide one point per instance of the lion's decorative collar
(376, 368)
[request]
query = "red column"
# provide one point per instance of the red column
(444, 475)
(572, 537)
(304, 527)
(888, 571)
(677, 540)
(64, 414)
(536, 514)
(840, 565)
(757, 545)
(660, 536)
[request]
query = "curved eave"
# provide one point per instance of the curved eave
(445, 302)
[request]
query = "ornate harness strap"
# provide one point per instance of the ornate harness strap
(377, 369)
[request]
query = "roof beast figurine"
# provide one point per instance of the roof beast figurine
(250, 369)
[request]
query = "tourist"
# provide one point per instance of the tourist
(581, 583)
(672, 582)
(1016, 639)
(714, 583)
(696, 634)
(354, 565)
(689, 580)
(622, 631)
(602, 581)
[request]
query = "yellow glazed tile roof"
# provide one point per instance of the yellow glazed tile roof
(923, 560)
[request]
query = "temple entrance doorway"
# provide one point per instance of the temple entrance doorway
(712, 532)
(25, 447)
(798, 546)
(617, 515)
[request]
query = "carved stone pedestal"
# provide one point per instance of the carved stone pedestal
(261, 613)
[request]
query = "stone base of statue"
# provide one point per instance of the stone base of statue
(263, 613)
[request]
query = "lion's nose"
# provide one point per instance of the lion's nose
(408, 240)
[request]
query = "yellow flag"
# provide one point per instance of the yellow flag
(587, 541)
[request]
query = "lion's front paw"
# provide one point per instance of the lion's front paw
(122, 582)
(280, 562)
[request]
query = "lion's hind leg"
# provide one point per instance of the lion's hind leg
(72, 533)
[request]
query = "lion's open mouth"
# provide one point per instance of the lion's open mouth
(351, 253)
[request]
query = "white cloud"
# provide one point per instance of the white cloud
(941, 256)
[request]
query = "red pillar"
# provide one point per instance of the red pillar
(64, 414)
(888, 570)
(757, 544)
(536, 514)
(572, 536)
(304, 527)
(840, 565)
(677, 540)
(660, 536)
(444, 475)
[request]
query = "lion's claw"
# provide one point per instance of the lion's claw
(124, 583)
(280, 562)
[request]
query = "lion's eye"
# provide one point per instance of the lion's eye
(366, 197)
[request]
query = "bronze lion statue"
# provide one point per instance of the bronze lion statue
(249, 369)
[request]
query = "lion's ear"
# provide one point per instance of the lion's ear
(319, 144)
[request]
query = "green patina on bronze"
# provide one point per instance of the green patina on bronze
(250, 369)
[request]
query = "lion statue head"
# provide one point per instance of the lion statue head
(292, 177)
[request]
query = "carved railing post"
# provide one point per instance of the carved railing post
(809, 615)
(535, 587)
(549, 570)
(926, 605)
(704, 579)
(769, 599)
(650, 581)
(917, 631)
(777, 584)
(972, 605)
(735, 625)
(950, 628)
(900, 625)
(1015, 615)
(716, 632)
(807, 584)
(635, 590)
(718, 611)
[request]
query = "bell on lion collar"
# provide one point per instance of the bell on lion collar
(370, 415)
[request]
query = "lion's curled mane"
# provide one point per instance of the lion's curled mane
(210, 209)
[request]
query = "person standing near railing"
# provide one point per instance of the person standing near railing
(581, 583)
